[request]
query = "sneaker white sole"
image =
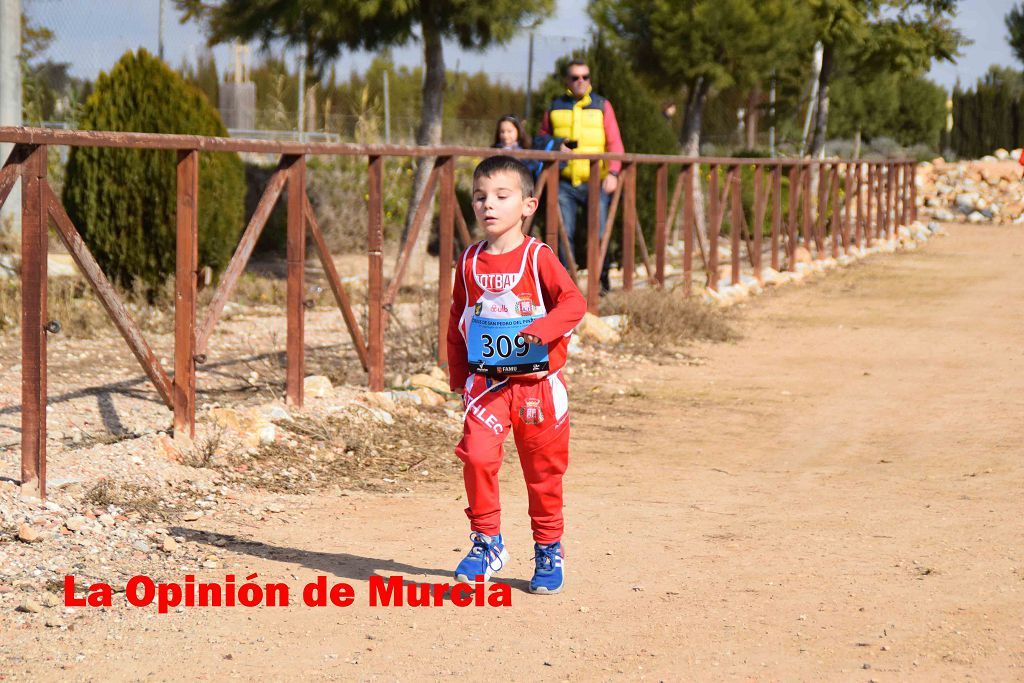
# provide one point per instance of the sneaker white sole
(544, 590)
(496, 566)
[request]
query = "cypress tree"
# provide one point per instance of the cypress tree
(123, 201)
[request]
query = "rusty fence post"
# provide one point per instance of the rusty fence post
(552, 213)
(183, 391)
(820, 223)
(901, 193)
(905, 194)
(899, 205)
(890, 203)
(879, 204)
(913, 192)
(887, 201)
(890, 187)
(834, 225)
(870, 199)
(628, 225)
(689, 219)
(446, 239)
(808, 209)
(883, 201)
(594, 237)
(908, 193)
(33, 321)
(757, 229)
(734, 177)
(660, 222)
(776, 214)
(714, 225)
(792, 227)
(296, 289)
(858, 226)
(848, 205)
(897, 181)
(375, 277)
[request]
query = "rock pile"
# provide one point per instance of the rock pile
(986, 191)
(907, 237)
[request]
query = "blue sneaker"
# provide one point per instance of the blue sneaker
(487, 556)
(549, 574)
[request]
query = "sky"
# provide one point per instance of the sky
(92, 34)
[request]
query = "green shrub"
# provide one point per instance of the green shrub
(123, 201)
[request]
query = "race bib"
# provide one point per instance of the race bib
(494, 344)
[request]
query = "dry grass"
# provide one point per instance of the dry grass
(72, 303)
(350, 451)
(258, 290)
(666, 319)
(87, 439)
(123, 495)
(205, 451)
(410, 338)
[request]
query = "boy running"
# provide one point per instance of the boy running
(514, 307)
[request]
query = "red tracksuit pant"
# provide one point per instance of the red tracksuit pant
(537, 412)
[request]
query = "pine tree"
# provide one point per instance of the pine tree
(1014, 21)
(325, 28)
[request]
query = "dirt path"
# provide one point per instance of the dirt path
(836, 496)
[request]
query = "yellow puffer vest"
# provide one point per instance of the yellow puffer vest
(581, 120)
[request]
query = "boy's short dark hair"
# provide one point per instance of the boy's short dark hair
(574, 62)
(502, 163)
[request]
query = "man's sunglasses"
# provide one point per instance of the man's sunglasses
(584, 77)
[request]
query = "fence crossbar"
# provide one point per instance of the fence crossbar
(117, 311)
(229, 280)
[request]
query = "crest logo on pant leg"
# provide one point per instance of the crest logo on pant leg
(530, 412)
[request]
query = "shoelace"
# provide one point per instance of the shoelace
(545, 556)
(485, 549)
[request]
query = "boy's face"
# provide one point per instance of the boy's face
(499, 204)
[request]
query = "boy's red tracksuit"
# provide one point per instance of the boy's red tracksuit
(526, 282)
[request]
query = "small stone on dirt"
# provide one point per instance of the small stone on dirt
(593, 329)
(29, 534)
(30, 606)
(317, 386)
(192, 516)
(428, 382)
(379, 399)
(429, 398)
(76, 523)
(274, 411)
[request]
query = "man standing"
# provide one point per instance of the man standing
(584, 122)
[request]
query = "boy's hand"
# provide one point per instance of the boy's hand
(531, 339)
(460, 391)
